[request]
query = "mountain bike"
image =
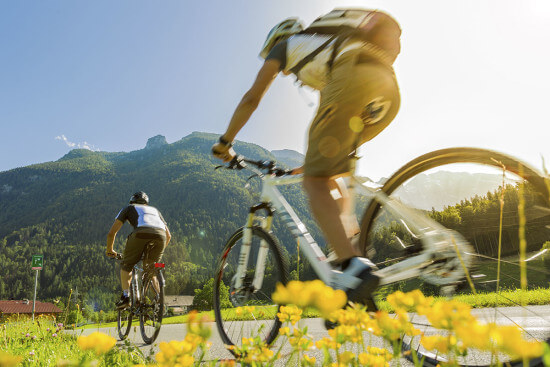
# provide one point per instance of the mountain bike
(414, 243)
(146, 301)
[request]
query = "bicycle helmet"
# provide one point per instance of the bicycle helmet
(281, 31)
(139, 198)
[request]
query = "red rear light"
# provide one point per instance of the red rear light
(159, 265)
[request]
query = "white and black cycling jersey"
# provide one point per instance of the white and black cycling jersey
(140, 216)
(315, 73)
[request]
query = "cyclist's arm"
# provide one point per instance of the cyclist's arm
(168, 235)
(250, 101)
(111, 238)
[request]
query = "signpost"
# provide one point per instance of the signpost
(37, 263)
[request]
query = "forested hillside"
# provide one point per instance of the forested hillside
(64, 209)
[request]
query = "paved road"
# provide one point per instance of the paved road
(534, 319)
(218, 351)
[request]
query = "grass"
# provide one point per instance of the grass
(540, 296)
(515, 297)
(43, 343)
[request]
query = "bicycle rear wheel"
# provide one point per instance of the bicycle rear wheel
(247, 311)
(152, 309)
(461, 188)
(124, 319)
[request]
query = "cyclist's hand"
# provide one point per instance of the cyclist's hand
(297, 170)
(112, 254)
(223, 152)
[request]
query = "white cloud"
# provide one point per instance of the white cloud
(70, 144)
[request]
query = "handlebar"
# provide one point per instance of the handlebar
(240, 162)
(118, 257)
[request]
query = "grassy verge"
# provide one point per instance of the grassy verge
(540, 296)
(515, 297)
(43, 343)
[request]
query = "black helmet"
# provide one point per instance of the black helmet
(139, 198)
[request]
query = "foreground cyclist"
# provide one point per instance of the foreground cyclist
(149, 226)
(359, 97)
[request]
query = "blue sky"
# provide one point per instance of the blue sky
(108, 75)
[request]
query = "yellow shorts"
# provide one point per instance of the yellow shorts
(359, 101)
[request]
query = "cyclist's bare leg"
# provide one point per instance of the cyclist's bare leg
(329, 213)
(125, 279)
(346, 202)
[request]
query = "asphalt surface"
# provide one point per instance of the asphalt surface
(535, 321)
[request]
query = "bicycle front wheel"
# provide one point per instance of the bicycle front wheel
(242, 304)
(151, 309)
(462, 189)
(124, 318)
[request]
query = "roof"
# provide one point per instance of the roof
(173, 301)
(25, 306)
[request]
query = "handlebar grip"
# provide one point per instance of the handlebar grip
(282, 172)
(237, 163)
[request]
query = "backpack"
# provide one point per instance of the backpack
(372, 26)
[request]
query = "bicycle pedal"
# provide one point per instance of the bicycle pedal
(329, 325)
(363, 293)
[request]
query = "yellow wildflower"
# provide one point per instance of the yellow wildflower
(185, 360)
(380, 352)
(98, 342)
(448, 314)
(300, 340)
(443, 344)
(312, 293)
(346, 333)
(346, 357)
(327, 343)
(392, 328)
(8, 360)
(475, 335)
(173, 351)
(308, 361)
(399, 299)
(366, 359)
(509, 340)
(290, 314)
(227, 363)
(196, 325)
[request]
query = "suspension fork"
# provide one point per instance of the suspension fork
(134, 285)
(244, 255)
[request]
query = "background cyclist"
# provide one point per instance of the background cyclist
(359, 97)
(149, 226)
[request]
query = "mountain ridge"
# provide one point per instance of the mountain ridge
(63, 209)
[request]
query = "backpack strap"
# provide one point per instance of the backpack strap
(296, 68)
(340, 35)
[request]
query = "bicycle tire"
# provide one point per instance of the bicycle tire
(265, 321)
(437, 159)
(124, 318)
(151, 310)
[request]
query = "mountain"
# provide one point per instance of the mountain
(290, 158)
(64, 209)
(443, 188)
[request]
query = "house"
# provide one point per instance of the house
(24, 308)
(178, 304)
